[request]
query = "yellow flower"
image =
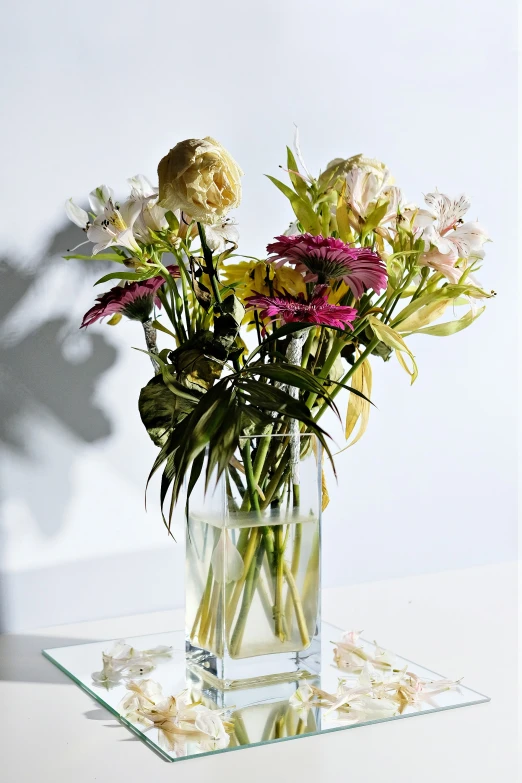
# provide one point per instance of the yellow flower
(199, 177)
(258, 277)
(335, 296)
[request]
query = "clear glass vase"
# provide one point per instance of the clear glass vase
(253, 545)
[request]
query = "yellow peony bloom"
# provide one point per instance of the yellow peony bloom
(199, 177)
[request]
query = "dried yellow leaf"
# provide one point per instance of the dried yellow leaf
(358, 408)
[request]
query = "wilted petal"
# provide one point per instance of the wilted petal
(227, 563)
(138, 668)
(107, 677)
(209, 722)
(302, 697)
(160, 650)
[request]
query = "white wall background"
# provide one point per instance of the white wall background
(97, 92)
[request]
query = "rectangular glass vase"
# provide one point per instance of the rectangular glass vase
(253, 551)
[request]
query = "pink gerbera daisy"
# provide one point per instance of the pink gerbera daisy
(326, 258)
(134, 300)
(292, 309)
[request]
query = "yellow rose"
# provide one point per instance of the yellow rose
(199, 177)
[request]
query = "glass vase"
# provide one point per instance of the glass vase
(253, 545)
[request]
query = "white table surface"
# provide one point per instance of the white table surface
(459, 623)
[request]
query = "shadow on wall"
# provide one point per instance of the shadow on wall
(39, 380)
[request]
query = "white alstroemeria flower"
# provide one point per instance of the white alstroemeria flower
(302, 699)
(447, 238)
(122, 660)
(227, 563)
(99, 198)
(151, 217)
(413, 690)
(108, 677)
(114, 227)
(367, 707)
(383, 659)
(398, 205)
(141, 187)
(348, 655)
(209, 723)
(221, 233)
(177, 718)
(76, 214)
(350, 637)
(347, 696)
(138, 667)
(120, 651)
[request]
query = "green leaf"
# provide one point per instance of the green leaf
(389, 337)
(451, 291)
(161, 328)
(297, 181)
(159, 407)
(452, 327)
(359, 410)
(302, 208)
(374, 218)
(124, 276)
(343, 223)
(98, 257)
(329, 176)
(424, 316)
(172, 220)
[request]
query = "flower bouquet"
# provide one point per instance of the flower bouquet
(256, 350)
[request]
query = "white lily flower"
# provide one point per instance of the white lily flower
(227, 563)
(221, 233)
(99, 198)
(114, 227)
(76, 214)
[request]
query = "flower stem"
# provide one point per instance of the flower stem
(150, 340)
(248, 595)
(301, 619)
(279, 567)
(296, 556)
(347, 377)
(238, 586)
